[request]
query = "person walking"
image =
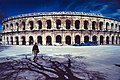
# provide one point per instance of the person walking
(35, 51)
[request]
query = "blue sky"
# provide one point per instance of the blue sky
(108, 8)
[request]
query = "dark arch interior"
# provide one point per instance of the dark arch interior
(48, 24)
(31, 25)
(39, 40)
(23, 23)
(11, 40)
(17, 40)
(39, 24)
(23, 40)
(68, 23)
(86, 39)
(85, 24)
(107, 40)
(77, 24)
(93, 25)
(48, 40)
(101, 40)
(58, 39)
(31, 40)
(58, 24)
(68, 40)
(77, 39)
(101, 25)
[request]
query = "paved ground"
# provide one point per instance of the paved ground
(100, 58)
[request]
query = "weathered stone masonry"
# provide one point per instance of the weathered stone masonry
(48, 28)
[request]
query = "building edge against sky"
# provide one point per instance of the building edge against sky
(48, 28)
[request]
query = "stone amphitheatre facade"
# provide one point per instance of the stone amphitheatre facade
(67, 28)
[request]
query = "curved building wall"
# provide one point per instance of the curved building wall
(60, 28)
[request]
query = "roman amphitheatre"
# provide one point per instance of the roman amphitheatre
(67, 28)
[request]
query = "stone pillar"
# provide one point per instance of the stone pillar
(63, 39)
(44, 39)
(81, 24)
(82, 38)
(72, 38)
(53, 38)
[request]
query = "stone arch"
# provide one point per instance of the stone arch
(77, 39)
(115, 26)
(17, 25)
(116, 40)
(11, 40)
(39, 22)
(17, 40)
(48, 24)
(107, 25)
(23, 25)
(48, 40)
(101, 25)
(86, 24)
(112, 39)
(58, 24)
(86, 39)
(107, 40)
(93, 25)
(31, 25)
(11, 26)
(58, 39)
(112, 26)
(101, 40)
(77, 24)
(39, 40)
(7, 40)
(68, 24)
(94, 38)
(68, 40)
(31, 40)
(23, 40)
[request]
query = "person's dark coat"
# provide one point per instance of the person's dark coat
(35, 47)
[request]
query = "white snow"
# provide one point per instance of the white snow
(100, 58)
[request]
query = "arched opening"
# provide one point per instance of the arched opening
(107, 25)
(58, 39)
(116, 40)
(101, 25)
(11, 27)
(31, 25)
(94, 38)
(17, 25)
(101, 40)
(115, 26)
(77, 24)
(17, 40)
(107, 40)
(23, 40)
(112, 39)
(48, 24)
(93, 25)
(68, 23)
(68, 40)
(7, 41)
(119, 27)
(39, 24)
(31, 41)
(77, 39)
(86, 39)
(39, 40)
(58, 24)
(86, 24)
(11, 40)
(112, 26)
(48, 40)
(23, 24)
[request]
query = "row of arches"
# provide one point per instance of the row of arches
(58, 39)
(95, 25)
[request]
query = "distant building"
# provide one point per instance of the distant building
(48, 28)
